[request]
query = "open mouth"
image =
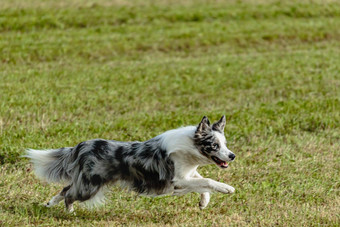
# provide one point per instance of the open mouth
(219, 162)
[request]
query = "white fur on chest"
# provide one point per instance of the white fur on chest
(182, 151)
(185, 167)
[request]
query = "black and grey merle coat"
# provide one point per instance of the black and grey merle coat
(143, 167)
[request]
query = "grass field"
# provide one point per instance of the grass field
(128, 70)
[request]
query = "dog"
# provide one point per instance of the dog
(164, 165)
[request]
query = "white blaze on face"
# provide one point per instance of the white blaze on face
(224, 152)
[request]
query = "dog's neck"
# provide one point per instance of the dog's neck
(179, 144)
(179, 140)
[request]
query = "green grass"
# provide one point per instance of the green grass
(77, 70)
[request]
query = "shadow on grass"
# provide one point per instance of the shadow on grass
(37, 213)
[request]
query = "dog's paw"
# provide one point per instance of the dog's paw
(224, 188)
(231, 189)
(205, 198)
(202, 207)
(70, 210)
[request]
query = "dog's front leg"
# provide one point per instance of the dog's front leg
(205, 197)
(184, 186)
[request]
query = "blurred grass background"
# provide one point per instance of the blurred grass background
(129, 70)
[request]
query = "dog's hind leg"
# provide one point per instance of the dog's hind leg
(69, 204)
(70, 197)
(81, 191)
(56, 199)
(205, 197)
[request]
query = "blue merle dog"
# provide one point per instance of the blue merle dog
(164, 165)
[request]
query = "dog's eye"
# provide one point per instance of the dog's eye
(215, 146)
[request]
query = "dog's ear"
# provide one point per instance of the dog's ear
(219, 125)
(204, 125)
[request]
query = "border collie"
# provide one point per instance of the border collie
(163, 165)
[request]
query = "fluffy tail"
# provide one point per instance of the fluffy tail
(51, 165)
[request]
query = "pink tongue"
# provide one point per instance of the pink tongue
(224, 164)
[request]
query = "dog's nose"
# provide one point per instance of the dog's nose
(232, 156)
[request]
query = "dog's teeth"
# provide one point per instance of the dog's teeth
(225, 164)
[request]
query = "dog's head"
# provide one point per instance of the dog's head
(210, 141)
